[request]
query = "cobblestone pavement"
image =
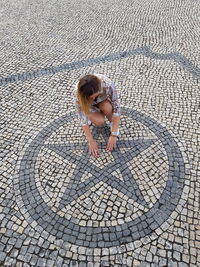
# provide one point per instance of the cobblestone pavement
(136, 206)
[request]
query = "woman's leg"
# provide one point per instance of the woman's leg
(97, 118)
(107, 109)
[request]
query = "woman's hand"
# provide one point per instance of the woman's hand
(111, 143)
(93, 148)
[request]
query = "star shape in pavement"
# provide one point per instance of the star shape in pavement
(128, 186)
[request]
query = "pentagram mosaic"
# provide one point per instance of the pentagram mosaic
(117, 198)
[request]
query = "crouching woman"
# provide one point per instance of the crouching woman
(96, 99)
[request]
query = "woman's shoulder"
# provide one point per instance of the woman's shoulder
(105, 80)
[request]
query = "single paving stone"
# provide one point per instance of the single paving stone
(8, 248)
(186, 258)
(2, 215)
(182, 264)
(2, 255)
(176, 255)
(162, 262)
(31, 249)
(2, 246)
(19, 264)
(59, 261)
(41, 262)
(10, 261)
(14, 253)
(34, 259)
(50, 263)
(149, 257)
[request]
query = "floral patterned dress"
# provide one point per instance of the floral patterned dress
(109, 92)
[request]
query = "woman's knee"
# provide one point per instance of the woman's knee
(106, 107)
(97, 118)
(99, 121)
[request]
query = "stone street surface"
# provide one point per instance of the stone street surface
(136, 206)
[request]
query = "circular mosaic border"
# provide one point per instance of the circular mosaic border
(115, 235)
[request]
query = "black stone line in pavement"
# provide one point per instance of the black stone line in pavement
(145, 51)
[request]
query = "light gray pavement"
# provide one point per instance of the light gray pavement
(137, 206)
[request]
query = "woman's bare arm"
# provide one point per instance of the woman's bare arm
(93, 147)
(87, 133)
(115, 123)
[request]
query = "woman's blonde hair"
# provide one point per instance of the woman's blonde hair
(87, 86)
